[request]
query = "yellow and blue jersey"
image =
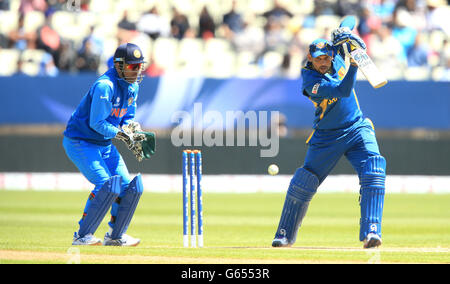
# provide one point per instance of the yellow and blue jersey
(333, 95)
(109, 104)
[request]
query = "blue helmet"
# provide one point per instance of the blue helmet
(131, 55)
(321, 47)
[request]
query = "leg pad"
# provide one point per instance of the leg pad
(99, 205)
(127, 205)
(372, 193)
(301, 190)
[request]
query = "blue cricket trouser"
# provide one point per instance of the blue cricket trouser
(326, 147)
(98, 164)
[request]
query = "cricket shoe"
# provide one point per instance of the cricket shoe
(88, 240)
(125, 241)
(372, 241)
(280, 242)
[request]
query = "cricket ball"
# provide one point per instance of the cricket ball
(273, 170)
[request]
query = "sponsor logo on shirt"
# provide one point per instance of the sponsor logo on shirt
(315, 88)
(117, 102)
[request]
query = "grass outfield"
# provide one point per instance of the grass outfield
(37, 227)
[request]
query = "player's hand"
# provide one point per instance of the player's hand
(125, 138)
(131, 135)
(342, 35)
(144, 149)
(346, 48)
(148, 145)
(133, 129)
(133, 146)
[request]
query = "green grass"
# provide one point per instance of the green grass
(37, 227)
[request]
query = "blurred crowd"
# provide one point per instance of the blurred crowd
(402, 36)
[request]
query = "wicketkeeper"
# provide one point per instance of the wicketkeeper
(107, 111)
(339, 130)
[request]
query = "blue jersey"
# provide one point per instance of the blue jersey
(333, 95)
(109, 104)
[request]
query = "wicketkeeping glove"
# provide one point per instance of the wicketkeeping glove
(342, 35)
(148, 145)
(133, 136)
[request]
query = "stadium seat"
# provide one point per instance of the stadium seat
(220, 60)
(110, 45)
(101, 6)
(438, 73)
(75, 34)
(34, 55)
(301, 7)
(164, 52)
(216, 45)
(222, 66)
(65, 24)
(33, 20)
(324, 22)
(308, 35)
(9, 59)
(391, 73)
(87, 19)
(245, 65)
(62, 19)
(31, 61)
(183, 6)
(190, 59)
(436, 40)
(14, 5)
(417, 73)
(8, 21)
(259, 6)
(107, 25)
(271, 63)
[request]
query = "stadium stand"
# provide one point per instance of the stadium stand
(407, 38)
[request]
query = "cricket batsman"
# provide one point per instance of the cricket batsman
(107, 111)
(340, 129)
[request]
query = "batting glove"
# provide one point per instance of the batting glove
(342, 35)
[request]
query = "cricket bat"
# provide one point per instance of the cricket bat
(364, 62)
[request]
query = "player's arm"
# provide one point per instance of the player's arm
(141, 143)
(332, 88)
(101, 109)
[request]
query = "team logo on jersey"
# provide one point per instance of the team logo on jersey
(117, 102)
(341, 73)
(118, 112)
(137, 53)
(315, 88)
(130, 101)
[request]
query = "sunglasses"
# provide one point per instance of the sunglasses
(134, 67)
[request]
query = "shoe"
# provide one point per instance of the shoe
(372, 241)
(280, 242)
(88, 240)
(125, 241)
